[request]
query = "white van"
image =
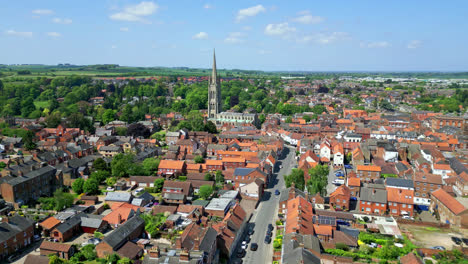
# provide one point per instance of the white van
(338, 181)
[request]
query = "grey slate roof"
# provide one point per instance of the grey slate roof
(242, 171)
(119, 197)
(373, 195)
(92, 222)
(119, 236)
(70, 223)
(47, 170)
(398, 182)
(295, 254)
(285, 194)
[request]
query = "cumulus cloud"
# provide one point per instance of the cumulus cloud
(249, 12)
(201, 35)
(235, 38)
(325, 38)
(53, 34)
(136, 13)
(414, 44)
(281, 29)
(207, 6)
(124, 29)
(15, 33)
(42, 12)
(306, 18)
(64, 21)
(375, 44)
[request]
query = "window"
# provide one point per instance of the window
(368, 209)
(368, 203)
(404, 205)
(394, 211)
(337, 200)
(409, 206)
(383, 205)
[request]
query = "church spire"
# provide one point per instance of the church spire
(214, 74)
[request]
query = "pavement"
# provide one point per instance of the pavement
(267, 212)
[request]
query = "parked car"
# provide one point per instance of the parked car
(254, 246)
(251, 230)
(408, 217)
(338, 181)
(269, 233)
(247, 239)
(438, 247)
(270, 227)
(465, 240)
(37, 237)
(268, 239)
(277, 192)
(240, 253)
(456, 240)
(244, 245)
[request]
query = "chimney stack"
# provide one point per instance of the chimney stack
(184, 255)
(154, 252)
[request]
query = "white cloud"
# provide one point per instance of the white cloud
(113, 47)
(208, 6)
(136, 13)
(263, 52)
(306, 18)
(249, 12)
(201, 35)
(325, 38)
(375, 44)
(414, 44)
(281, 29)
(12, 32)
(235, 38)
(124, 29)
(64, 21)
(42, 12)
(53, 34)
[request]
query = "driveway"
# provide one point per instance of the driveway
(266, 213)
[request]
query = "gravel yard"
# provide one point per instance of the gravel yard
(429, 236)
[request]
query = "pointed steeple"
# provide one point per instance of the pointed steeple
(214, 73)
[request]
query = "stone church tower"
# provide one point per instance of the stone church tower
(214, 92)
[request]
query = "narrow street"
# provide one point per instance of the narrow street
(266, 212)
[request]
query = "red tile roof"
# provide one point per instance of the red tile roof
(368, 168)
(448, 201)
(354, 181)
(171, 164)
(50, 223)
(400, 195)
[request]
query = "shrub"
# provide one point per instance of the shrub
(182, 178)
(342, 246)
(428, 261)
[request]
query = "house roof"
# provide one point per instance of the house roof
(398, 195)
(129, 250)
(50, 223)
(70, 223)
(341, 237)
(121, 233)
(373, 195)
(171, 164)
(448, 201)
(368, 168)
(342, 190)
(235, 159)
(243, 171)
(185, 186)
(119, 196)
(52, 246)
(354, 181)
(399, 182)
(324, 230)
(410, 258)
(214, 162)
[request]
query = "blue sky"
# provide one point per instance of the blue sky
(266, 35)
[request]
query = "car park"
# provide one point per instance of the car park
(254, 246)
(456, 240)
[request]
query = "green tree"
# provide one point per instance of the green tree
(318, 179)
(211, 127)
(100, 176)
(150, 166)
(307, 118)
(219, 178)
(62, 200)
(121, 165)
(108, 116)
(28, 140)
(296, 177)
(199, 159)
(91, 186)
(208, 177)
(158, 185)
(205, 191)
(77, 185)
(288, 120)
(88, 252)
(100, 165)
(111, 181)
(121, 131)
(54, 259)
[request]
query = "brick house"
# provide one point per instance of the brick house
(424, 185)
(368, 173)
(130, 230)
(461, 184)
(373, 201)
(188, 145)
(143, 181)
(354, 185)
(64, 251)
(450, 210)
(196, 237)
(400, 201)
(213, 165)
(213, 149)
(29, 187)
(339, 199)
(15, 233)
(175, 192)
(243, 176)
(68, 229)
(171, 167)
(231, 229)
(232, 163)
